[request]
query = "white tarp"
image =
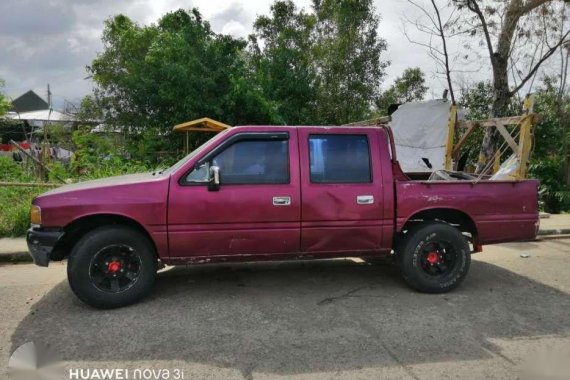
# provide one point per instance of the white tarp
(420, 131)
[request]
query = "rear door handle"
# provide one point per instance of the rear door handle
(365, 199)
(281, 201)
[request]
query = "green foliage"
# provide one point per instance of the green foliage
(90, 110)
(547, 160)
(56, 171)
(15, 220)
(281, 57)
(410, 87)
(477, 100)
(98, 156)
(58, 135)
(15, 201)
(11, 171)
(554, 196)
(4, 102)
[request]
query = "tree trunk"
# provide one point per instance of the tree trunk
(499, 108)
(499, 62)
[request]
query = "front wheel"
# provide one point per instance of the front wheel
(434, 257)
(111, 267)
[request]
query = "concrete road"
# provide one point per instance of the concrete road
(327, 319)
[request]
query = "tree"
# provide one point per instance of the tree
(409, 87)
(90, 109)
(5, 104)
(322, 67)
(347, 57)
(281, 56)
(547, 161)
(149, 78)
(516, 34)
(507, 27)
(562, 101)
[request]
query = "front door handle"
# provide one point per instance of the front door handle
(365, 199)
(281, 201)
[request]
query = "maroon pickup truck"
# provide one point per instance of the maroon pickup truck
(275, 193)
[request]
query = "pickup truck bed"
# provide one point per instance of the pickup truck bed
(499, 211)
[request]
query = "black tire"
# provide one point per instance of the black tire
(111, 267)
(434, 257)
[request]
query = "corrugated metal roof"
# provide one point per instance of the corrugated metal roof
(42, 115)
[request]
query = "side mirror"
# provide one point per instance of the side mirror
(214, 183)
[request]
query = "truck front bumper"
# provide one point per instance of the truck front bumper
(41, 243)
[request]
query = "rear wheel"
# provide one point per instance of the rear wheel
(112, 267)
(434, 257)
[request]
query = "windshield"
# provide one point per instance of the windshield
(194, 153)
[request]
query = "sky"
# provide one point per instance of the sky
(52, 41)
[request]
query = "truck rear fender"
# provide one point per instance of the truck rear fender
(454, 217)
(79, 227)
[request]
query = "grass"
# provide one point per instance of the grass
(15, 201)
(15, 205)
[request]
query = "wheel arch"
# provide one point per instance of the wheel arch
(457, 218)
(76, 229)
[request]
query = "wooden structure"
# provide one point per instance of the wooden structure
(204, 124)
(520, 143)
(382, 120)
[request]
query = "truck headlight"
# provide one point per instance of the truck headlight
(36, 215)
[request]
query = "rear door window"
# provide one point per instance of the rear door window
(339, 159)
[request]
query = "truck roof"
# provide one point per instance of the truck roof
(313, 126)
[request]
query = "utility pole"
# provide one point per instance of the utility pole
(49, 112)
(49, 97)
(45, 145)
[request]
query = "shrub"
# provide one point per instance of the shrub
(98, 156)
(15, 201)
(13, 171)
(553, 194)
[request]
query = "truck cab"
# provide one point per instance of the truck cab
(284, 191)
